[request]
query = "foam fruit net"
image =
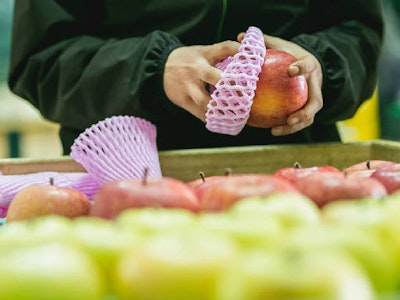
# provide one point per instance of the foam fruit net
(118, 148)
(232, 97)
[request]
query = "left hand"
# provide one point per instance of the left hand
(309, 66)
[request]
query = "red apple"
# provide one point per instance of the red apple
(203, 179)
(389, 176)
(326, 187)
(222, 193)
(40, 200)
(116, 196)
(367, 167)
(278, 94)
(297, 171)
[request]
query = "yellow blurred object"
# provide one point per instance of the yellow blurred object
(364, 125)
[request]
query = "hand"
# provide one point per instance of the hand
(189, 69)
(307, 65)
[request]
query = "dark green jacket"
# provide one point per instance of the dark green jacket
(80, 61)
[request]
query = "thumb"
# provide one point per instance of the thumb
(302, 67)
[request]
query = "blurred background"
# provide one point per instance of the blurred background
(24, 133)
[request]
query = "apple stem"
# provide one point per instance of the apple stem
(297, 165)
(368, 163)
(228, 171)
(51, 181)
(145, 175)
(202, 176)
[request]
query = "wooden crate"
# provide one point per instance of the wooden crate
(185, 164)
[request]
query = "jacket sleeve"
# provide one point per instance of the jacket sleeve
(75, 76)
(347, 42)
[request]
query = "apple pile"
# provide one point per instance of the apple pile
(299, 233)
(373, 179)
(279, 246)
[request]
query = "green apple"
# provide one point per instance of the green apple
(151, 220)
(247, 232)
(104, 241)
(48, 271)
(177, 265)
(294, 274)
(292, 210)
(50, 228)
(378, 218)
(362, 247)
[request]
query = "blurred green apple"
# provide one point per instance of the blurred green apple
(104, 242)
(362, 247)
(292, 210)
(247, 232)
(284, 274)
(47, 272)
(52, 228)
(151, 220)
(378, 218)
(177, 265)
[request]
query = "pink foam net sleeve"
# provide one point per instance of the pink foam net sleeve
(117, 148)
(232, 97)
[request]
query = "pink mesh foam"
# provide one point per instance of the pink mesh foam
(232, 97)
(84, 183)
(119, 147)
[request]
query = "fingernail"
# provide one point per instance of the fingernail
(294, 70)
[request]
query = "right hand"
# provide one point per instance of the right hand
(189, 69)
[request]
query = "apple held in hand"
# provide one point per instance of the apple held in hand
(116, 196)
(41, 200)
(324, 188)
(278, 94)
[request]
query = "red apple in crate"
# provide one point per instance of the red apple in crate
(116, 196)
(203, 179)
(327, 187)
(41, 200)
(367, 167)
(389, 176)
(278, 94)
(220, 194)
(297, 171)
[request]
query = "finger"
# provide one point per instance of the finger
(219, 51)
(289, 129)
(275, 42)
(210, 75)
(190, 106)
(200, 97)
(305, 116)
(240, 37)
(303, 66)
(307, 113)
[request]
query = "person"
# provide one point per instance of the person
(80, 62)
